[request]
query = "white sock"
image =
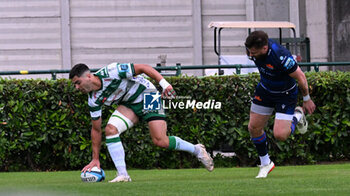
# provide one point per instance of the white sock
(184, 145)
(265, 160)
(197, 150)
(116, 150)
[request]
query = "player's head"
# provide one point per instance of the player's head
(81, 77)
(257, 44)
(78, 70)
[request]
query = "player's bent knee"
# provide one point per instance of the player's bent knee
(110, 130)
(254, 129)
(119, 121)
(251, 128)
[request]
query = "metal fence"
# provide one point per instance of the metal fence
(302, 45)
(178, 68)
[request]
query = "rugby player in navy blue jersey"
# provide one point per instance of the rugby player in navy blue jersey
(277, 90)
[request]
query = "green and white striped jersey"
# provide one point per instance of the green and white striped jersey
(119, 85)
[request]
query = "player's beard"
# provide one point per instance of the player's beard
(260, 57)
(85, 90)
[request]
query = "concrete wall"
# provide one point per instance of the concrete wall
(339, 30)
(272, 10)
(56, 34)
(232, 39)
(30, 33)
(316, 29)
(309, 16)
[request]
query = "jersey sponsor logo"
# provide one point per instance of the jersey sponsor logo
(269, 66)
(265, 71)
(282, 58)
(123, 67)
(108, 91)
(142, 81)
(104, 99)
(289, 63)
(258, 98)
(124, 70)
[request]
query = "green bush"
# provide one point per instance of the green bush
(45, 125)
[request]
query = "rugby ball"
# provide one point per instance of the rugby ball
(95, 175)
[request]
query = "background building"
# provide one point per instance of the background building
(56, 34)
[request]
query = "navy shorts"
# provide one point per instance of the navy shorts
(284, 103)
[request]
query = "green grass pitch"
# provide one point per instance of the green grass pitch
(288, 180)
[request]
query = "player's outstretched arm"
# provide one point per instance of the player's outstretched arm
(168, 90)
(96, 136)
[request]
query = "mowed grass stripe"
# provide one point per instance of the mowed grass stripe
(288, 180)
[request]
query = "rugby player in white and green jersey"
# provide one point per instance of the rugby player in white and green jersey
(121, 85)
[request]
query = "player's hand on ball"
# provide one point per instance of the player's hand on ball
(95, 175)
(93, 163)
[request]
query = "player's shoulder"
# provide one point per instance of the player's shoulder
(104, 72)
(109, 71)
(120, 67)
(280, 54)
(117, 71)
(277, 49)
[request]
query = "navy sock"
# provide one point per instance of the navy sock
(294, 124)
(260, 144)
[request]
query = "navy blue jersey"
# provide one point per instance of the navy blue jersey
(275, 67)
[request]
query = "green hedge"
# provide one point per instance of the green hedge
(45, 125)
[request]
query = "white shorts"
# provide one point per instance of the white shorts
(268, 111)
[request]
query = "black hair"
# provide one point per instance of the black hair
(78, 70)
(257, 39)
